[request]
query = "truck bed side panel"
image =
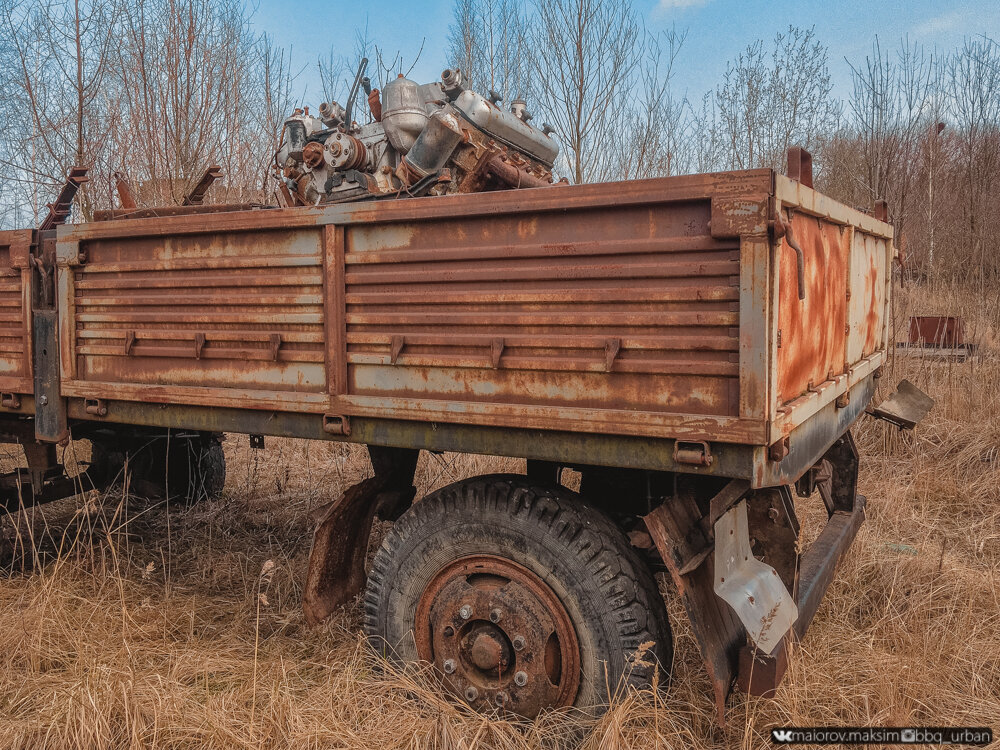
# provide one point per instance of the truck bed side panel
(236, 316)
(15, 313)
(616, 308)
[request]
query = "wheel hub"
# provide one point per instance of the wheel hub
(499, 634)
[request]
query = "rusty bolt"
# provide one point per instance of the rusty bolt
(465, 612)
(449, 666)
(501, 698)
(773, 514)
(495, 615)
(521, 679)
(471, 694)
(43, 400)
(518, 642)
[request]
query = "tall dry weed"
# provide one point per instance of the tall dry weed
(116, 634)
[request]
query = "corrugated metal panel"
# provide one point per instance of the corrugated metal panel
(236, 310)
(619, 308)
(15, 313)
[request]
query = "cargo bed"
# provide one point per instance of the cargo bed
(544, 323)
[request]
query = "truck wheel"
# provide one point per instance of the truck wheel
(193, 469)
(523, 597)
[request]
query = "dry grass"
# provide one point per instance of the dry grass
(142, 626)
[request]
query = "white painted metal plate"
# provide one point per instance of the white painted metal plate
(751, 587)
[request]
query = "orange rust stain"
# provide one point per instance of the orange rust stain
(812, 330)
(872, 312)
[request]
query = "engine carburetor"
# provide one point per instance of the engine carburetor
(435, 138)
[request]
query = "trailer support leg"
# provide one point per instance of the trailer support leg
(336, 571)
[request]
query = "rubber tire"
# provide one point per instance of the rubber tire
(608, 592)
(193, 469)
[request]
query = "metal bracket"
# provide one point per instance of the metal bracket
(904, 408)
(751, 587)
(496, 351)
(125, 196)
(611, 349)
(10, 401)
(257, 442)
(60, 208)
(395, 347)
(197, 194)
(337, 424)
(693, 453)
(199, 344)
(98, 407)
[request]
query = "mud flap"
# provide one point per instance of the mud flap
(751, 587)
(336, 571)
(340, 542)
(904, 408)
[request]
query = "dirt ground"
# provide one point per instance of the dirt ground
(131, 624)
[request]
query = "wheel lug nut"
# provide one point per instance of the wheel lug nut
(518, 642)
(449, 666)
(465, 612)
(521, 679)
(501, 698)
(471, 694)
(495, 615)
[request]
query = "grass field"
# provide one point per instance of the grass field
(134, 625)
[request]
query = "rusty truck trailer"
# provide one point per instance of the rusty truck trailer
(695, 346)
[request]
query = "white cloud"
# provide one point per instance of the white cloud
(937, 25)
(666, 5)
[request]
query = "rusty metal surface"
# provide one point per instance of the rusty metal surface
(15, 313)
(336, 572)
(869, 288)
(500, 635)
(231, 313)
(557, 294)
(906, 407)
(812, 329)
(684, 541)
(640, 309)
(618, 311)
(941, 331)
(60, 208)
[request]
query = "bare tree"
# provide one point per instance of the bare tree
(489, 42)
(184, 75)
(888, 104)
(768, 102)
(582, 62)
(972, 76)
(58, 53)
(655, 131)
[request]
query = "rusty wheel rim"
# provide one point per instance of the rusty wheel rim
(499, 635)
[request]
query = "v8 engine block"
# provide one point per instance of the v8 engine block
(434, 138)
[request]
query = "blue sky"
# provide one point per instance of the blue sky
(717, 30)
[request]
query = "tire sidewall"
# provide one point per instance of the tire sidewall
(510, 519)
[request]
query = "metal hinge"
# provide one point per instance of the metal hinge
(96, 406)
